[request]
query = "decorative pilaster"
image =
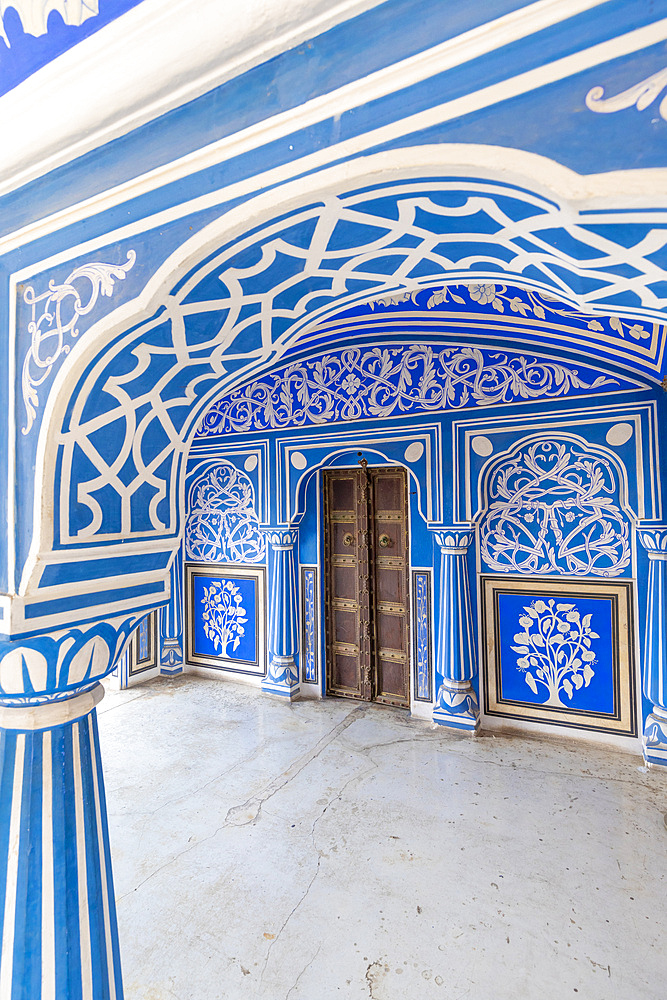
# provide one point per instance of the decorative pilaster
(282, 676)
(654, 679)
(58, 914)
(171, 621)
(456, 703)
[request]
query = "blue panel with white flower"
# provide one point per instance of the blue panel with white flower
(560, 653)
(225, 618)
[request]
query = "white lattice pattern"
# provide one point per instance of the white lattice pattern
(133, 415)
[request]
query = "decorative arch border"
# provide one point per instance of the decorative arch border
(426, 471)
(122, 329)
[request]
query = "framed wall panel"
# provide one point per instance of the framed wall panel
(225, 608)
(309, 630)
(422, 629)
(560, 652)
(143, 646)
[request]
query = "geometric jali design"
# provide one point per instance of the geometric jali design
(131, 415)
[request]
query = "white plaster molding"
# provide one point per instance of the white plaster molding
(642, 185)
(34, 14)
(153, 58)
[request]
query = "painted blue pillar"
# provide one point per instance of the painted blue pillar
(171, 621)
(456, 702)
(282, 676)
(57, 909)
(654, 668)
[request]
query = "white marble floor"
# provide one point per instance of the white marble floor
(328, 850)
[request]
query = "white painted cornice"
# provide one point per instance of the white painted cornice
(150, 60)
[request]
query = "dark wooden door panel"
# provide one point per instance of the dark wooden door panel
(366, 584)
(346, 591)
(390, 574)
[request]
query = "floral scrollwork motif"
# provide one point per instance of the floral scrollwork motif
(222, 525)
(61, 307)
(641, 95)
(552, 510)
(356, 384)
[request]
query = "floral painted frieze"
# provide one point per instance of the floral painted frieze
(380, 382)
(222, 525)
(521, 301)
(553, 508)
(554, 650)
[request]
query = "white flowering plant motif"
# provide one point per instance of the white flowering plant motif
(224, 616)
(555, 650)
(552, 510)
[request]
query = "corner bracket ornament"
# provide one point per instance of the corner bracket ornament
(55, 314)
(640, 96)
(34, 14)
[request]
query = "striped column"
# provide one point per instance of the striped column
(456, 702)
(654, 673)
(58, 918)
(171, 621)
(282, 677)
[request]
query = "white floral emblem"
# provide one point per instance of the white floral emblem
(224, 615)
(555, 649)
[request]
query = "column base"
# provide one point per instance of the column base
(167, 670)
(456, 706)
(171, 657)
(654, 742)
(282, 679)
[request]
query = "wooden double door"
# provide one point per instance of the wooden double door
(366, 584)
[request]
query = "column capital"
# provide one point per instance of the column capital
(281, 538)
(35, 668)
(654, 539)
(454, 540)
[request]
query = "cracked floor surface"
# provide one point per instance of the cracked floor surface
(328, 850)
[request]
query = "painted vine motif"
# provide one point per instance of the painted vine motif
(224, 616)
(541, 305)
(222, 525)
(554, 650)
(380, 382)
(552, 510)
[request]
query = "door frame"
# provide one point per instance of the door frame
(374, 461)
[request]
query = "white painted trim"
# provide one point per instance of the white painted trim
(632, 183)
(48, 872)
(52, 713)
(152, 59)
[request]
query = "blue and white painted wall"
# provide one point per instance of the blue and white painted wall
(539, 464)
(234, 193)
